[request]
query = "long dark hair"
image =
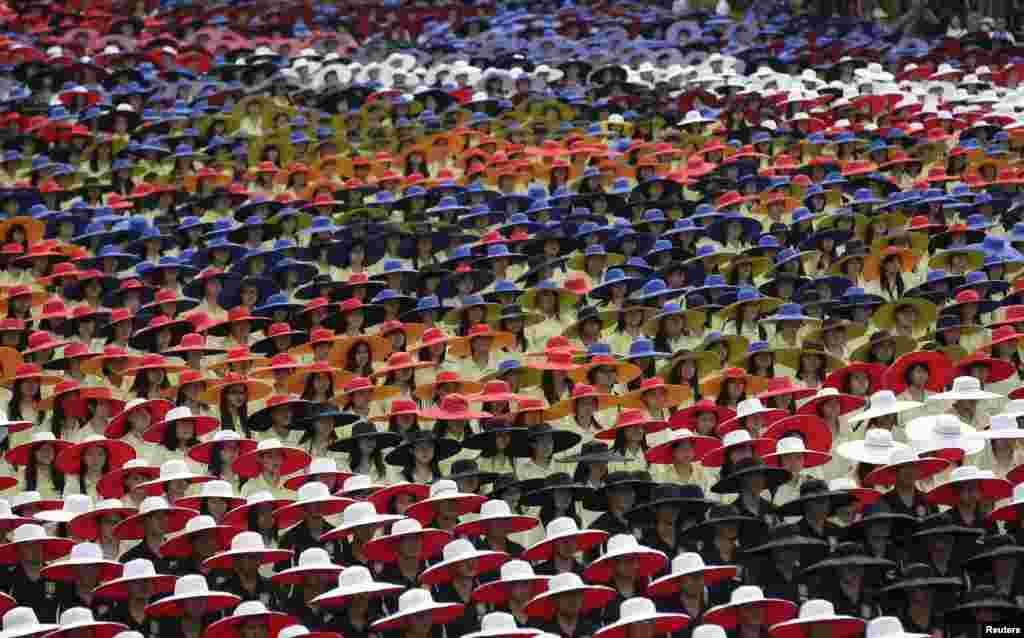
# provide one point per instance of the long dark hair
(32, 474)
(140, 385)
(228, 421)
(307, 389)
(547, 385)
(350, 359)
(170, 438)
(17, 396)
(81, 474)
(355, 458)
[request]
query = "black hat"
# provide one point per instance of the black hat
(366, 430)
(505, 482)
(901, 524)
(850, 554)
(995, 547)
(467, 468)
(640, 482)
(785, 537)
(484, 439)
(562, 439)
(943, 525)
(689, 499)
(812, 490)
(731, 483)
(402, 455)
(981, 597)
(718, 515)
(594, 452)
(922, 576)
(556, 481)
(260, 421)
(341, 418)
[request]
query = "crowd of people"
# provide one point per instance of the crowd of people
(464, 321)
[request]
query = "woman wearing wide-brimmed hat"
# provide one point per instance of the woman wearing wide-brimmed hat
(85, 463)
(569, 607)
(355, 600)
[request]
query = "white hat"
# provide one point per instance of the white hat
(248, 545)
(684, 565)
(642, 610)
(775, 610)
(875, 448)
(209, 490)
(177, 518)
(189, 588)
(136, 570)
(594, 596)
(360, 514)
(965, 389)
(889, 627)
(82, 555)
(708, 631)
(621, 546)
(500, 624)
(884, 403)
(821, 613)
(74, 505)
(458, 551)
(991, 488)
(1002, 426)
(312, 561)
(497, 510)
(419, 601)
(248, 611)
(30, 533)
(942, 432)
(495, 592)
(21, 622)
(312, 493)
(317, 468)
(80, 618)
(383, 548)
(353, 581)
(795, 445)
(563, 528)
(173, 470)
(358, 483)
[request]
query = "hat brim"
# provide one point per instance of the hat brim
(834, 626)
(672, 583)
(586, 540)
(131, 528)
(594, 597)
(339, 596)
(440, 572)
(69, 460)
(423, 511)
(775, 610)
(732, 484)
(650, 563)
(203, 452)
(53, 549)
(248, 465)
(924, 467)
(117, 589)
(224, 560)
(385, 548)
(990, 489)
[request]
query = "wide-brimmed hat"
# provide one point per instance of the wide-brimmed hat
(69, 459)
(687, 499)
(136, 571)
(188, 588)
(790, 445)
(496, 511)
(849, 554)
(453, 407)
(904, 457)
(736, 438)
(642, 611)
(313, 561)
(982, 596)
(594, 596)
(883, 403)
(385, 548)
(203, 424)
(445, 490)
(673, 394)
(176, 518)
(560, 529)
(79, 620)
(775, 610)
(513, 572)
(112, 484)
(688, 564)
(749, 408)
(247, 545)
(86, 525)
(712, 386)
(181, 545)
(82, 555)
(22, 622)
(359, 515)
(402, 454)
(458, 551)
(203, 452)
(965, 389)
(175, 469)
(884, 316)
(29, 535)
(874, 449)
(687, 417)
(249, 464)
(21, 454)
(922, 576)
(732, 483)
(989, 487)
(818, 613)
(639, 481)
(157, 408)
(625, 547)
(255, 388)
(937, 363)
(355, 580)
(580, 391)
(247, 612)
(416, 601)
(312, 494)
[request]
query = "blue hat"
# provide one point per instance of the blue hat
(644, 348)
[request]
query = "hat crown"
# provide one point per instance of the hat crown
(517, 570)
(217, 489)
(77, 504)
(139, 568)
(313, 491)
(709, 631)
(28, 532)
(790, 445)
(879, 438)
(746, 594)
(495, 508)
(354, 576)
(293, 631)
(966, 384)
(736, 437)
(561, 526)
(412, 599)
(622, 544)
(174, 467)
(902, 455)
(443, 487)
(458, 549)
(180, 412)
(817, 608)
(357, 483)
(250, 608)
(637, 608)
(497, 622)
(314, 556)
(360, 512)
(964, 473)
(86, 552)
(20, 619)
(748, 407)
(882, 399)
(564, 582)
(884, 627)
(947, 425)
(199, 523)
(248, 542)
(322, 465)
(687, 563)
(406, 526)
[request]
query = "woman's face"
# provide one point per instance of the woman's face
(424, 452)
(683, 452)
(44, 454)
(185, 430)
